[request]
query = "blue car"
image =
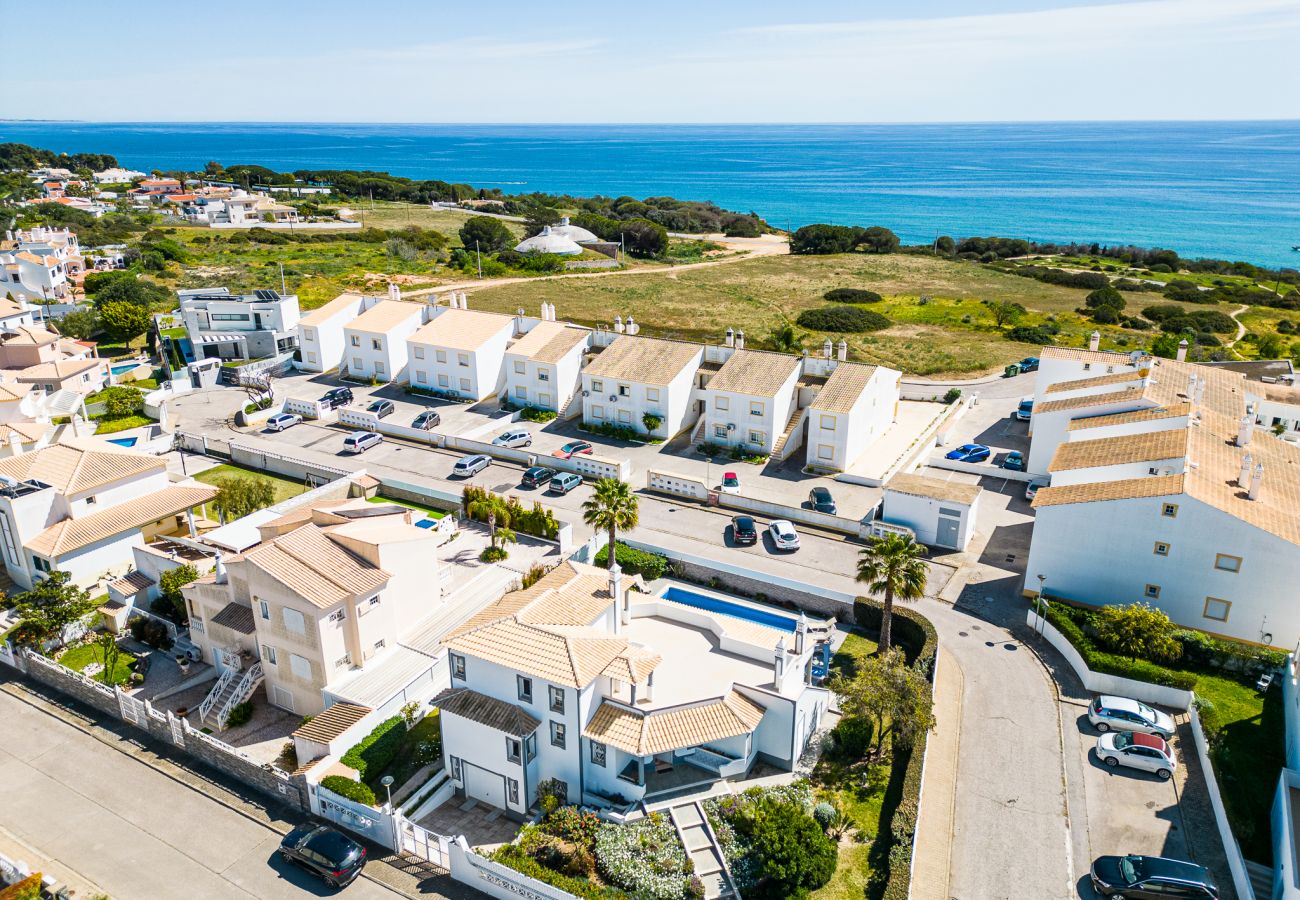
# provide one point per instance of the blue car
(1015, 461)
(970, 453)
(1029, 364)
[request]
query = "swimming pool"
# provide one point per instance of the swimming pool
(727, 608)
(124, 442)
(122, 367)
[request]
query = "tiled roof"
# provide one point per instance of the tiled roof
(132, 583)
(1096, 491)
(60, 369)
(1278, 393)
(29, 336)
(659, 731)
(322, 314)
(384, 316)
(1079, 354)
(934, 488)
(1096, 381)
(1132, 395)
(80, 464)
(73, 534)
(643, 360)
(843, 388)
(28, 432)
(633, 665)
(325, 727)
(462, 329)
(572, 593)
(495, 714)
(315, 568)
(549, 342)
(14, 390)
(1147, 446)
(236, 617)
(1153, 414)
(756, 372)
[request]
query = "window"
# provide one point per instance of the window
(300, 666)
(342, 661)
(421, 377)
(376, 344)
(197, 624)
(1087, 366)
(338, 615)
(381, 644)
(1216, 609)
(652, 395)
(462, 359)
(513, 785)
(720, 431)
(624, 390)
(42, 565)
(557, 735)
(597, 753)
(356, 363)
(464, 385)
(598, 412)
(294, 621)
(442, 381)
(455, 768)
(557, 699)
(379, 368)
(825, 451)
(419, 352)
(521, 392)
(311, 358)
(722, 403)
(530, 747)
(1152, 591)
(1161, 549)
(1227, 563)
(1169, 510)
(755, 408)
(543, 375)
(514, 750)
(229, 317)
(525, 688)
(268, 654)
(625, 416)
(598, 386)
(356, 340)
(91, 501)
(457, 666)
(440, 355)
(544, 400)
(828, 423)
(309, 334)
(265, 609)
(520, 367)
(757, 437)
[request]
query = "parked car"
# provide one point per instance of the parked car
(1108, 713)
(784, 537)
(820, 499)
(339, 396)
(514, 437)
(730, 483)
(969, 453)
(332, 855)
(1025, 411)
(564, 482)
(281, 421)
(1152, 876)
(536, 476)
(427, 420)
(381, 408)
(1015, 461)
(1137, 750)
(572, 449)
(361, 441)
(744, 530)
(1029, 364)
(471, 465)
(1032, 488)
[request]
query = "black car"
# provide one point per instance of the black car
(1134, 877)
(332, 855)
(744, 530)
(536, 476)
(339, 396)
(820, 499)
(381, 408)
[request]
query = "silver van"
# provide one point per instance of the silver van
(564, 482)
(361, 441)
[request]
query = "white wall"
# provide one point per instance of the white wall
(322, 345)
(850, 434)
(471, 373)
(562, 380)
(1094, 474)
(769, 423)
(921, 514)
(484, 747)
(1048, 430)
(673, 403)
(362, 360)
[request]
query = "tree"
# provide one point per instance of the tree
(1005, 312)
(82, 324)
(944, 245)
(842, 319)
(892, 566)
(52, 604)
(491, 508)
(124, 321)
(1106, 297)
(793, 854)
(643, 238)
(785, 339)
(1269, 346)
(109, 654)
(121, 401)
(892, 695)
(486, 234)
(612, 507)
(1166, 345)
(240, 495)
(132, 290)
(877, 239)
(171, 602)
(1139, 630)
(823, 239)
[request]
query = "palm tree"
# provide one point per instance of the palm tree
(493, 510)
(612, 506)
(892, 566)
(785, 339)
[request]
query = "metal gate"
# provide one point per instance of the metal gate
(423, 843)
(177, 726)
(132, 710)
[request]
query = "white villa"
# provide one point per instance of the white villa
(460, 351)
(320, 332)
(542, 368)
(239, 326)
(855, 406)
(375, 341)
(750, 401)
(621, 696)
(636, 376)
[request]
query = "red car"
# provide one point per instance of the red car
(573, 448)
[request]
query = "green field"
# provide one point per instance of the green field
(284, 487)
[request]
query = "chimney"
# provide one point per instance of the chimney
(219, 570)
(731, 337)
(843, 350)
(779, 661)
(464, 300)
(15, 443)
(1244, 472)
(801, 634)
(632, 327)
(827, 348)
(618, 324)
(1094, 341)
(740, 340)
(1255, 481)
(1182, 350)
(394, 292)
(624, 612)
(1244, 429)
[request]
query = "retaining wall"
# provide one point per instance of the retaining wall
(984, 470)
(1236, 861)
(682, 486)
(494, 879)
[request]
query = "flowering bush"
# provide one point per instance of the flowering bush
(732, 819)
(645, 858)
(572, 824)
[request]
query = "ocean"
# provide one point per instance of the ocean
(1218, 189)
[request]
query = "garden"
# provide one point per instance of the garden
(1243, 728)
(398, 747)
(99, 657)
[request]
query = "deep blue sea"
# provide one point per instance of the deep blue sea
(1222, 189)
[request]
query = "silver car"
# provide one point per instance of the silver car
(361, 441)
(1108, 713)
(471, 465)
(282, 421)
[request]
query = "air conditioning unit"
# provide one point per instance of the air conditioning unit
(613, 398)
(586, 393)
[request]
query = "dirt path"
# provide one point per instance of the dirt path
(1241, 330)
(746, 248)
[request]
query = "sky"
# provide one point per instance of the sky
(665, 61)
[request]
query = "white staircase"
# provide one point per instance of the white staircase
(784, 447)
(572, 409)
(697, 436)
(231, 689)
(702, 847)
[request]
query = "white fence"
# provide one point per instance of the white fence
(375, 824)
(1236, 861)
(984, 470)
(497, 880)
(308, 409)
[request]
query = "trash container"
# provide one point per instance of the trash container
(1011, 371)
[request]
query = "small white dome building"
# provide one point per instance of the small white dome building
(574, 233)
(549, 242)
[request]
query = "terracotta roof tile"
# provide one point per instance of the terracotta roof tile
(633, 665)
(1096, 381)
(315, 568)
(132, 583)
(1098, 491)
(1147, 446)
(462, 329)
(384, 316)
(755, 372)
(843, 388)
(495, 714)
(549, 342)
(644, 360)
(237, 617)
(325, 727)
(1079, 354)
(661, 730)
(1132, 395)
(1152, 414)
(934, 488)
(73, 534)
(76, 465)
(322, 314)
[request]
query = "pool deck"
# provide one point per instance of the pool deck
(658, 588)
(694, 667)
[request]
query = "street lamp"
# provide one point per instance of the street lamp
(387, 782)
(1042, 603)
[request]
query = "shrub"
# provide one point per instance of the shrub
(376, 751)
(493, 554)
(850, 319)
(534, 574)
(634, 562)
(851, 295)
(1105, 297)
(793, 854)
(240, 714)
(28, 888)
(534, 414)
(346, 787)
(572, 824)
(1158, 312)
(1062, 619)
(609, 429)
(151, 632)
(1029, 334)
(852, 736)
(511, 856)
(120, 402)
(645, 858)
(952, 396)
(823, 239)
(1138, 629)
(551, 795)
(826, 815)
(651, 421)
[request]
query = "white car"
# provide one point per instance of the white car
(1031, 489)
(1025, 409)
(282, 421)
(730, 483)
(1108, 713)
(515, 437)
(1137, 750)
(361, 441)
(784, 537)
(471, 465)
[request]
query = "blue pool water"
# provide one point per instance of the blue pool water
(123, 442)
(714, 604)
(426, 523)
(123, 367)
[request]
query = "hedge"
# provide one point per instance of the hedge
(1109, 663)
(511, 856)
(346, 787)
(377, 750)
(851, 295)
(634, 562)
(851, 319)
(911, 630)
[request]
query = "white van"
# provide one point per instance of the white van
(361, 441)
(515, 437)
(282, 421)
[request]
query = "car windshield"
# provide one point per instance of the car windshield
(1146, 712)
(745, 524)
(1130, 869)
(1123, 739)
(729, 479)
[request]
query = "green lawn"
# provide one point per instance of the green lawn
(284, 487)
(856, 646)
(406, 764)
(84, 654)
(429, 511)
(109, 426)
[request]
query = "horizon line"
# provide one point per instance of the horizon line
(1120, 121)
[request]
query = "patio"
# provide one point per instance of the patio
(482, 825)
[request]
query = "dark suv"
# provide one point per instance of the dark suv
(332, 855)
(339, 396)
(1134, 877)
(743, 530)
(536, 476)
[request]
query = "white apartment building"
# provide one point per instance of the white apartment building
(223, 325)
(542, 368)
(320, 332)
(855, 406)
(460, 351)
(375, 341)
(752, 400)
(638, 376)
(117, 176)
(1180, 500)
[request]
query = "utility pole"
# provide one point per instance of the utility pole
(478, 257)
(283, 290)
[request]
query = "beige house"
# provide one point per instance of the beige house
(49, 363)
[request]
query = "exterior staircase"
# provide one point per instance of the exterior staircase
(572, 409)
(1261, 879)
(697, 436)
(795, 425)
(232, 688)
(702, 847)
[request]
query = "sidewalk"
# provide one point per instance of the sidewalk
(932, 854)
(66, 877)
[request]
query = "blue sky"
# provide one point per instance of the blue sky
(667, 61)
